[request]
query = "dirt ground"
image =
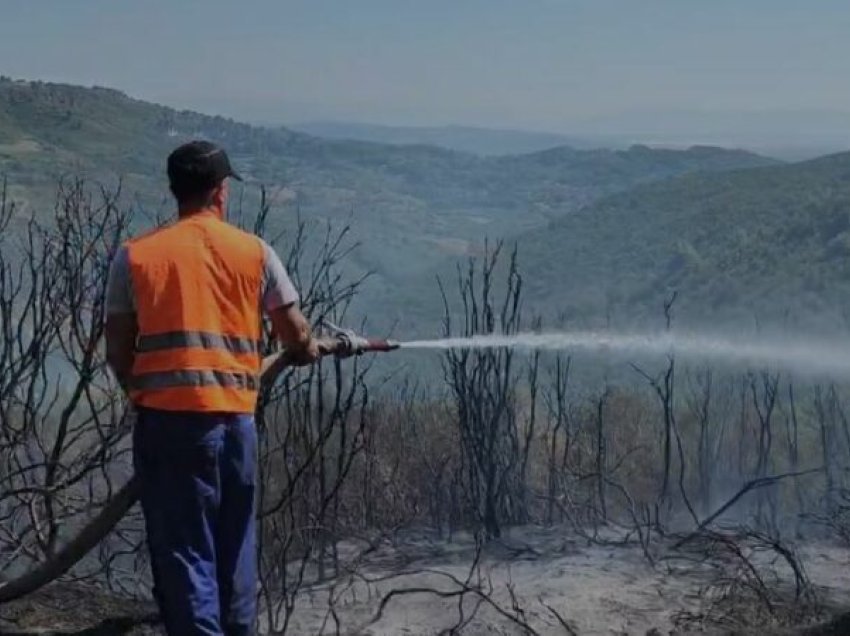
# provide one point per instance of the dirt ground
(544, 576)
(67, 609)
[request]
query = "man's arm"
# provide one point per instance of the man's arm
(280, 300)
(121, 331)
(292, 329)
(121, 327)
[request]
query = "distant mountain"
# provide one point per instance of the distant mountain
(476, 140)
(793, 135)
(788, 134)
(410, 207)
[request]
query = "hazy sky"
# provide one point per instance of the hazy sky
(543, 64)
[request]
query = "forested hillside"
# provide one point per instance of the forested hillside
(411, 208)
(770, 245)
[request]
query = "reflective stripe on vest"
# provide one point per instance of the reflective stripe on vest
(195, 378)
(196, 339)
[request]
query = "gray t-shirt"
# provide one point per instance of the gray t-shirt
(278, 290)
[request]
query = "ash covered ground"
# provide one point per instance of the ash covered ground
(545, 579)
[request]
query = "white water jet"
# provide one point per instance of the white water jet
(792, 353)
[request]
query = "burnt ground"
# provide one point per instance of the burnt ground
(73, 609)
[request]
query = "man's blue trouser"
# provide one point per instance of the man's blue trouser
(197, 473)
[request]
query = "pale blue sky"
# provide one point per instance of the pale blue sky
(543, 64)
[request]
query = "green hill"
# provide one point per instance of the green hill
(768, 244)
(411, 207)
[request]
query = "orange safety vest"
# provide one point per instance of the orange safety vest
(197, 285)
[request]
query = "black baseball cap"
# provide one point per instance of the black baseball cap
(197, 167)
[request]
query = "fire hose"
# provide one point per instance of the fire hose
(340, 342)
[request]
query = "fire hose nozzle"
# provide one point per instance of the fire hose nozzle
(341, 342)
(385, 345)
(353, 344)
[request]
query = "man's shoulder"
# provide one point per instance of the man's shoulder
(271, 258)
(238, 232)
(243, 243)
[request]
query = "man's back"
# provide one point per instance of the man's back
(200, 272)
(197, 286)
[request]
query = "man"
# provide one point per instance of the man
(183, 331)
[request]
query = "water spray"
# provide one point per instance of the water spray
(792, 353)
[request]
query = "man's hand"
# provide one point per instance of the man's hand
(293, 330)
(301, 356)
